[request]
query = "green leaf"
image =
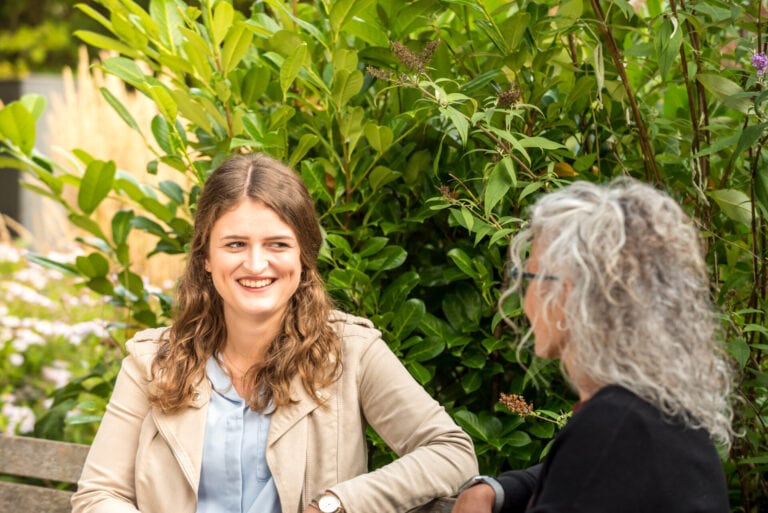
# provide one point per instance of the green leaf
(725, 90)
(34, 103)
(463, 262)
(127, 70)
(68, 269)
(236, 45)
(173, 191)
(95, 185)
(306, 143)
(119, 108)
(93, 265)
(407, 317)
(346, 84)
(121, 226)
(419, 372)
(459, 122)
(164, 101)
(668, 38)
(388, 258)
(735, 204)
(427, 349)
(166, 14)
(17, 127)
(223, 16)
(379, 137)
(103, 42)
(87, 224)
(381, 176)
(498, 186)
(342, 11)
(291, 67)
(739, 349)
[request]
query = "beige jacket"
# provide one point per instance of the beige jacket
(144, 460)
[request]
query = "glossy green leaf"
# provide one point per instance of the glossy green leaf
(734, 204)
(223, 16)
(236, 45)
(388, 258)
(17, 127)
(346, 84)
(406, 319)
(344, 10)
(379, 137)
(121, 225)
(381, 176)
(291, 67)
(119, 108)
(95, 185)
(93, 265)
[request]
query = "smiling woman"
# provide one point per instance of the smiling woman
(258, 397)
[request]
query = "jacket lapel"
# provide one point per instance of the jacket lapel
(287, 446)
(184, 433)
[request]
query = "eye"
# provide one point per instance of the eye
(237, 244)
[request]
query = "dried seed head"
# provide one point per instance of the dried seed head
(516, 404)
(508, 98)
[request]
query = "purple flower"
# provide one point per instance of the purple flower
(760, 62)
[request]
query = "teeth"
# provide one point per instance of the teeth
(255, 284)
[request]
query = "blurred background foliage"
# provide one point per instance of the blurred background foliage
(423, 130)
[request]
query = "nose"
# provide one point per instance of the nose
(256, 260)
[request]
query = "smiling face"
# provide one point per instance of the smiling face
(254, 259)
(547, 320)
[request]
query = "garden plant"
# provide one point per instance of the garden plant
(423, 130)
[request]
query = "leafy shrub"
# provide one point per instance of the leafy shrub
(423, 129)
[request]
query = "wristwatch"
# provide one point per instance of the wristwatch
(328, 503)
(497, 489)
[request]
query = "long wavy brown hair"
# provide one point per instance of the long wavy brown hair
(306, 346)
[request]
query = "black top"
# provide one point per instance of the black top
(618, 453)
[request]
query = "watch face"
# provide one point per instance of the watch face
(328, 503)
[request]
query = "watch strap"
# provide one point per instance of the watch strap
(493, 483)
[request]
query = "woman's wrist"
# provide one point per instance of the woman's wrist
(484, 489)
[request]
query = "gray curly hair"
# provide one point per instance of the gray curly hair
(638, 313)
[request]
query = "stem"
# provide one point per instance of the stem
(649, 160)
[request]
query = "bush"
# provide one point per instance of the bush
(423, 129)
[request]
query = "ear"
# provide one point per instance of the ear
(207, 265)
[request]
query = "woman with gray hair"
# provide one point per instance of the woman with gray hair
(616, 287)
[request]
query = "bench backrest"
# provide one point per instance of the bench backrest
(47, 461)
(61, 462)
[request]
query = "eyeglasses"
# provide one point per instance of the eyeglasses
(515, 273)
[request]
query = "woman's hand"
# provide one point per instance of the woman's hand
(476, 499)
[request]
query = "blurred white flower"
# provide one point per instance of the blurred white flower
(27, 295)
(21, 419)
(16, 359)
(9, 253)
(25, 338)
(58, 373)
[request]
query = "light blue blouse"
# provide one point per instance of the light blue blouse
(234, 477)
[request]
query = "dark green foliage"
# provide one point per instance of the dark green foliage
(423, 129)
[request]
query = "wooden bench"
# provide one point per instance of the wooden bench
(51, 463)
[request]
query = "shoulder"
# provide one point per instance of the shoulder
(146, 341)
(613, 403)
(352, 328)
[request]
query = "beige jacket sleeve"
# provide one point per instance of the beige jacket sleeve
(107, 482)
(435, 455)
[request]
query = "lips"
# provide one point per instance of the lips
(255, 284)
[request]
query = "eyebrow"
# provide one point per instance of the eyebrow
(281, 237)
